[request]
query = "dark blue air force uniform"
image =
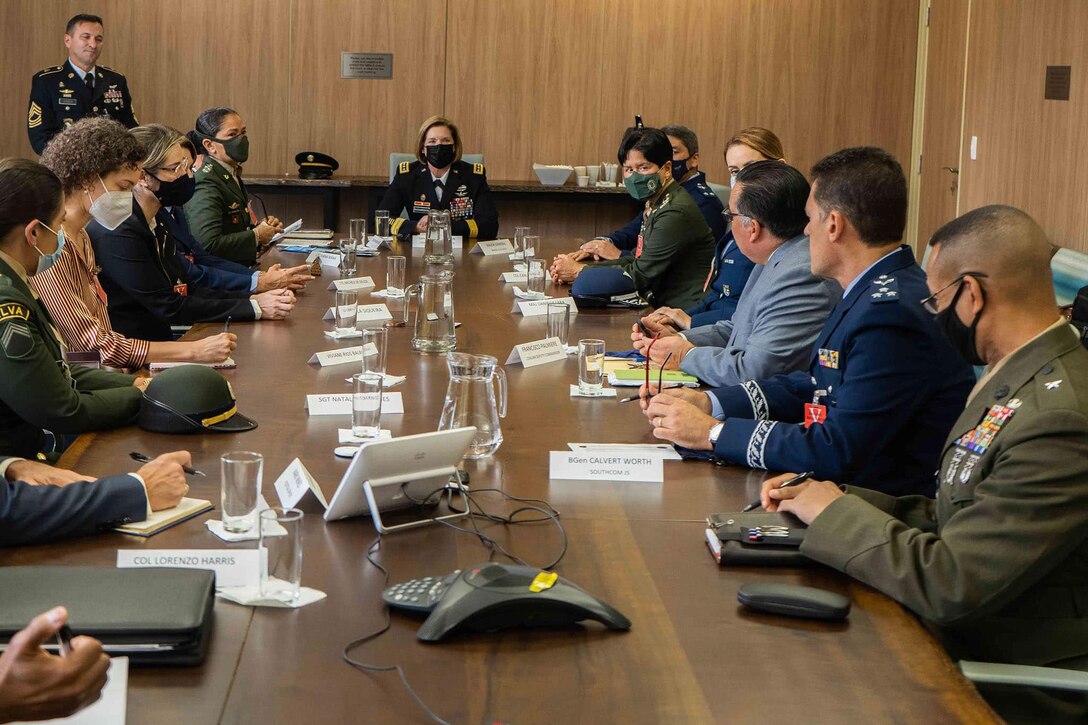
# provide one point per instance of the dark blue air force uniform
(891, 384)
(59, 98)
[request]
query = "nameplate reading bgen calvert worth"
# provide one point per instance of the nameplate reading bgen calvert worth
(606, 467)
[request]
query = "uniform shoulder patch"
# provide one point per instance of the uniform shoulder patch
(403, 168)
(13, 311)
(884, 289)
(477, 168)
(16, 340)
(34, 116)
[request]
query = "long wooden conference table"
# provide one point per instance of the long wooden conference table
(692, 655)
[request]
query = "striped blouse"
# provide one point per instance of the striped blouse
(77, 303)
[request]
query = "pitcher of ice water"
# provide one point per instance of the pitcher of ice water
(471, 400)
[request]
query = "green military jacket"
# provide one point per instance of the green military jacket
(999, 561)
(675, 248)
(218, 214)
(38, 390)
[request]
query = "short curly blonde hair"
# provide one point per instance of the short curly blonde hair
(90, 148)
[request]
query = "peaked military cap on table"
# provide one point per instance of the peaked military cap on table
(190, 399)
(315, 165)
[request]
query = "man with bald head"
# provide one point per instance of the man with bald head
(998, 563)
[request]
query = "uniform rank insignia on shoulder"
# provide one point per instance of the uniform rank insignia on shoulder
(829, 358)
(235, 205)
(13, 310)
(16, 340)
(886, 289)
(477, 168)
(403, 168)
(34, 118)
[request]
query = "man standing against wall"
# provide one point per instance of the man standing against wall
(62, 94)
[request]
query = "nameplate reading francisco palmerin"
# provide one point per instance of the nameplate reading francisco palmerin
(530, 354)
(232, 567)
(606, 467)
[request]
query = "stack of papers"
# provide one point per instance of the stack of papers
(632, 378)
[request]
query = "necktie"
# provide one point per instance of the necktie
(89, 80)
(438, 187)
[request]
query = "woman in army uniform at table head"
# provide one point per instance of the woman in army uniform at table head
(41, 396)
(440, 181)
(219, 214)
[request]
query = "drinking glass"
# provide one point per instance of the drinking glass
(534, 269)
(240, 485)
(531, 247)
(281, 538)
(519, 242)
(394, 276)
(347, 257)
(374, 350)
(357, 229)
(347, 309)
(366, 405)
(381, 224)
(559, 322)
(590, 365)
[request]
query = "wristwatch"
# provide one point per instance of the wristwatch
(715, 432)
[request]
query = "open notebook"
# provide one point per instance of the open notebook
(162, 520)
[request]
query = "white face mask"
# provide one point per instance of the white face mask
(112, 208)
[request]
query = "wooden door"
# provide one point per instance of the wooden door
(942, 122)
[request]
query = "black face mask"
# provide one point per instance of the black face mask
(960, 336)
(440, 155)
(176, 192)
(679, 169)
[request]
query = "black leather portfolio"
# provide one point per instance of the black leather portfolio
(152, 616)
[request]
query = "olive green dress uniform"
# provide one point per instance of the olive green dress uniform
(218, 214)
(998, 563)
(466, 196)
(673, 253)
(38, 390)
(59, 98)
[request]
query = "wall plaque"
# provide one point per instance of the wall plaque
(1058, 79)
(366, 65)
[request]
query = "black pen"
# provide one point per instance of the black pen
(798, 479)
(664, 387)
(226, 325)
(64, 640)
(145, 459)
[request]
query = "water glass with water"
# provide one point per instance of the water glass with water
(559, 322)
(590, 365)
(347, 309)
(382, 224)
(366, 405)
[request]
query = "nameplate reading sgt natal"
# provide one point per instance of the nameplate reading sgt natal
(531, 354)
(606, 467)
(340, 404)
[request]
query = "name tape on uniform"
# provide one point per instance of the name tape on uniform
(606, 467)
(537, 308)
(340, 404)
(493, 247)
(420, 240)
(293, 484)
(232, 567)
(351, 283)
(538, 352)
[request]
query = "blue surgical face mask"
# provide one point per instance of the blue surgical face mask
(45, 261)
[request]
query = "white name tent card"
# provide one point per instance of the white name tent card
(420, 240)
(232, 567)
(373, 313)
(665, 450)
(340, 404)
(538, 352)
(537, 308)
(349, 284)
(338, 357)
(328, 259)
(493, 247)
(514, 278)
(602, 466)
(293, 484)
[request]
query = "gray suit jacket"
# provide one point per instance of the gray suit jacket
(776, 323)
(37, 514)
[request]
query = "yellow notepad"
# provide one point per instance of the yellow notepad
(162, 520)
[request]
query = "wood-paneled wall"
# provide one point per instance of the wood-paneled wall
(1031, 152)
(551, 81)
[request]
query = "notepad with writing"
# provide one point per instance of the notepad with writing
(162, 520)
(227, 364)
(631, 378)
